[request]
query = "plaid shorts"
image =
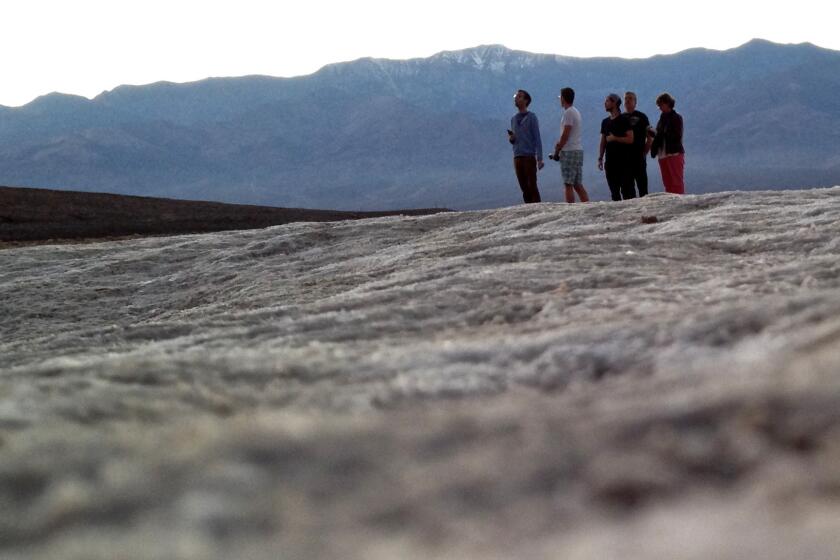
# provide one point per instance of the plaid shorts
(571, 166)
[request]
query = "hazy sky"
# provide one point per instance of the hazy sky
(87, 46)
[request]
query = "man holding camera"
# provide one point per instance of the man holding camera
(524, 135)
(568, 151)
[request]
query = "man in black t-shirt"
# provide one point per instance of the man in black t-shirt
(617, 145)
(642, 140)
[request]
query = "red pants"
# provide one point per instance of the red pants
(672, 168)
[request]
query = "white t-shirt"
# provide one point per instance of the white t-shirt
(571, 117)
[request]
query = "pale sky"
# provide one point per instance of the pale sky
(84, 47)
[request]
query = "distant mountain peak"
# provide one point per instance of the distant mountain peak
(758, 44)
(496, 58)
(485, 51)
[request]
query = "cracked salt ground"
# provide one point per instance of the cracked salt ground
(543, 381)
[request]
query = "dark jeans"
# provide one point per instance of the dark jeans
(620, 179)
(639, 170)
(526, 174)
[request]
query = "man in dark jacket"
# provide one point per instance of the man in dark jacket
(667, 145)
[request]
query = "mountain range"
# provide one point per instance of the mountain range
(430, 132)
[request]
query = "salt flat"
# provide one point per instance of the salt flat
(543, 381)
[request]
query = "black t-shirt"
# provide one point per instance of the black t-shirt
(617, 127)
(640, 124)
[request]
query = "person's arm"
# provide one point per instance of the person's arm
(601, 151)
(656, 144)
(626, 139)
(649, 134)
(535, 127)
(567, 131)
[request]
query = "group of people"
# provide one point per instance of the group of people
(627, 138)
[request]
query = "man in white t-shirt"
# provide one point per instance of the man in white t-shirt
(569, 150)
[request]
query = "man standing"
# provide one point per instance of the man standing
(524, 134)
(616, 143)
(569, 149)
(642, 139)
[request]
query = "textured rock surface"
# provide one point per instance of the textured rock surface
(533, 382)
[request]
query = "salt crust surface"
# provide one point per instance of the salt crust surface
(540, 381)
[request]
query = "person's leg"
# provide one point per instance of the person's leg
(534, 192)
(523, 175)
(672, 173)
(520, 175)
(613, 174)
(641, 176)
(628, 191)
(577, 177)
(567, 170)
(666, 174)
(678, 166)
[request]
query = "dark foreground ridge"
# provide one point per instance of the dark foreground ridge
(28, 214)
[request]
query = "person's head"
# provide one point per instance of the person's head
(629, 101)
(567, 97)
(665, 102)
(612, 103)
(522, 99)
